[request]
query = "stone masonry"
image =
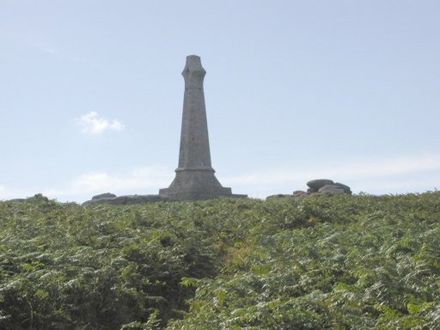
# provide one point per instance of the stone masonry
(195, 177)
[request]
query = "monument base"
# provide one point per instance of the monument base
(195, 184)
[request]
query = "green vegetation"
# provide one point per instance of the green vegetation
(321, 262)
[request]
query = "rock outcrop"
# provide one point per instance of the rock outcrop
(331, 189)
(278, 196)
(326, 186)
(318, 186)
(103, 196)
(299, 193)
(108, 198)
(346, 188)
(315, 185)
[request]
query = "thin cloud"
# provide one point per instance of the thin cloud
(346, 170)
(376, 176)
(92, 123)
(398, 175)
(7, 192)
(55, 52)
(49, 50)
(138, 181)
(2, 191)
(398, 185)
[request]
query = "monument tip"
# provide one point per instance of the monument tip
(193, 64)
(190, 57)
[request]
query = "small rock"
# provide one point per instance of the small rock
(277, 196)
(35, 198)
(315, 185)
(103, 196)
(112, 199)
(298, 193)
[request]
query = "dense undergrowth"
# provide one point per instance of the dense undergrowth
(321, 262)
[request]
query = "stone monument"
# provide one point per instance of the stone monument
(195, 177)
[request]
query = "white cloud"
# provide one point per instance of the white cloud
(142, 180)
(92, 123)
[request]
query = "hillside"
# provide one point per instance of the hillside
(318, 262)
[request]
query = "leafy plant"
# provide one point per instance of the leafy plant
(317, 262)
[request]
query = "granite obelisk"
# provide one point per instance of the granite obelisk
(195, 177)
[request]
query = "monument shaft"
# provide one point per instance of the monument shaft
(194, 140)
(195, 177)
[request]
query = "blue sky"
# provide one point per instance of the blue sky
(91, 94)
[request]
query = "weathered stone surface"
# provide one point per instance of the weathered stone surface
(318, 186)
(123, 200)
(103, 196)
(331, 189)
(315, 185)
(195, 177)
(346, 188)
